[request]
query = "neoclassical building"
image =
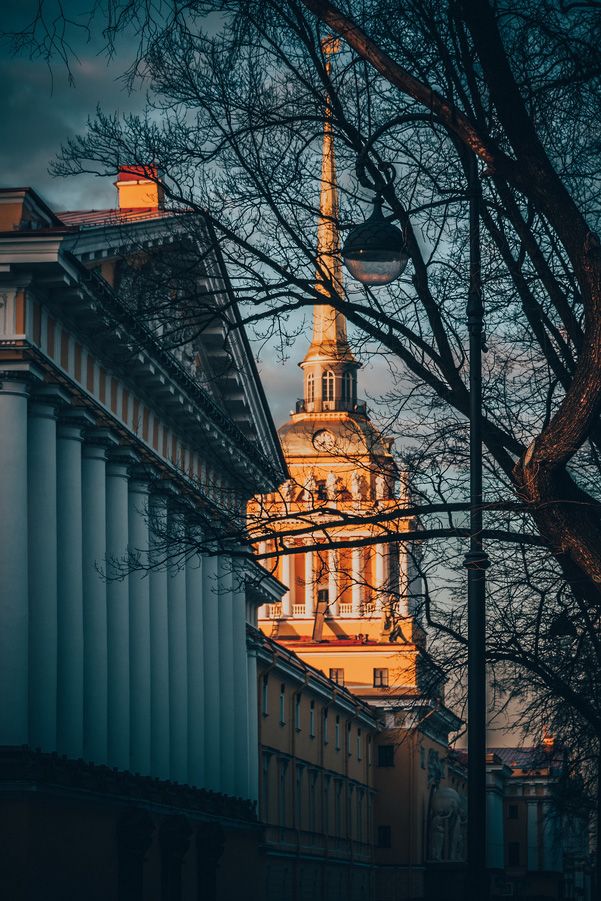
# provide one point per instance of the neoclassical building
(129, 746)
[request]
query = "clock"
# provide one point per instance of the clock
(324, 440)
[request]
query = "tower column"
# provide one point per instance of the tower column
(358, 577)
(310, 588)
(333, 582)
(289, 580)
(381, 574)
(139, 628)
(14, 614)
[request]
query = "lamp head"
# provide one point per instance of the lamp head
(375, 252)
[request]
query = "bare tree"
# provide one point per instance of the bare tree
(235, 119)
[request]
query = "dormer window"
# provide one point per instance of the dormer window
(310, 388)
(327, 386)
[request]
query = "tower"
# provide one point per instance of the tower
(352, 607)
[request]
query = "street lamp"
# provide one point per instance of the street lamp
(375, 253)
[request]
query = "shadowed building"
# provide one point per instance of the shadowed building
(129, 761)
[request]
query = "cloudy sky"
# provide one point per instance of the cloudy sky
(40, 109)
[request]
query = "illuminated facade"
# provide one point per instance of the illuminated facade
(353, 606)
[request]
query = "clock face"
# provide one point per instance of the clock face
(323, 440)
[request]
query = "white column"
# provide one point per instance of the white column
(139, 628)
(117, 610)
(380, 560)
(226, 676)
(333, 582)
(212, 703)
(288, 580)
(253, 720)
(241, 710)
(159, 644)
(13, 560)
(357, 579)
(310, 588)
(196, 681)
(403, 579)
(41, 517)
(93, 477)
(178, 662)
(70, 666)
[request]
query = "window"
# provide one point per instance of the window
(297, 713)
(513, 812)
(282, 704)
(322, 596)
(310, 388)
(348, 740)
(422, 758)
(265, 696)
(347, 386)
(337, 733)
(385, 755)
(513, 854)
(384, 837)
(337, 675)
(358, 744)
(325, 727)
(327, 385)
(380, 678)
(312, 720)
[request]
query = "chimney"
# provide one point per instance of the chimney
(139, 188)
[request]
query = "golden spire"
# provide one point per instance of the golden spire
(329, 326)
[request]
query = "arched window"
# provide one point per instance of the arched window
(327, 386)
(310, 388)
(347, 386)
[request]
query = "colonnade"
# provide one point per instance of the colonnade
(141, 670)
(314, 570)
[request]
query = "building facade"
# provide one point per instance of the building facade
(129, 758)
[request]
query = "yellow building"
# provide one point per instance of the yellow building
(353, 605)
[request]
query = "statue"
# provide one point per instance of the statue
(331, 486)
(356, 485)
(381, 487)
(288, 490)
(310, 487)
(456, 837)
(445, 807)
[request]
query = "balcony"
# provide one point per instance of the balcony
(274, 611)
(345, 609)
(298, 610)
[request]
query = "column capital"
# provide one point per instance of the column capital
(120, 461)
(21, 371)
(101, 437)
(51, 396)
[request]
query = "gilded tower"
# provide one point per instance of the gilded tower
(355, 588)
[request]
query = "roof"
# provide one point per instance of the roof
(90, 218)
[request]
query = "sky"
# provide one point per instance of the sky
(40, 110)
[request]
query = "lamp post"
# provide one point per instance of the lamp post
(375, 253)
